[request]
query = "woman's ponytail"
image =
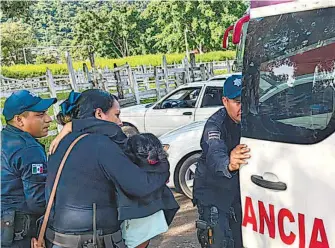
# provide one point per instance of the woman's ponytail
(63, 119)
(69, 108)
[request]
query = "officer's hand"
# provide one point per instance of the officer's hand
(238, 157)
(54, 144)
(234, 167)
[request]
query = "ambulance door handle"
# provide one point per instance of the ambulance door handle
(261, 182)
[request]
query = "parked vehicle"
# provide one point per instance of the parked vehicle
(183, 147)
(188, 103)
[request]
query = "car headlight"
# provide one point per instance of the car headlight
(166, 147)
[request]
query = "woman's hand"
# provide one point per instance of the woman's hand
(65, 131)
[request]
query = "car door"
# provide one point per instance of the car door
(288, 122)
(210, 103)
(176, 110)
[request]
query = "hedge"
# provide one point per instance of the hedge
(29, 71)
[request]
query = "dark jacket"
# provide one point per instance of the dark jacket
(88, 177)
(213, 183)
(130, 207)
(23, 172)
(162, 199)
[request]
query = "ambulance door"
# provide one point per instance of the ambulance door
(288, 122)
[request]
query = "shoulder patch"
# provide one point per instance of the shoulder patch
(36, 169)
(214, 135)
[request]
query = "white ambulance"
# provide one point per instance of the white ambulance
(286, 50)
(288, 186)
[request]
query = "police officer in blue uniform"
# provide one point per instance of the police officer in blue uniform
(216, 189)
(23, 167)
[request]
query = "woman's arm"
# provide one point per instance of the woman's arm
(159, 167)
(133, 180)
(65, 131)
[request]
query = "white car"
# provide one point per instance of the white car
(188, 103)
(183, 148)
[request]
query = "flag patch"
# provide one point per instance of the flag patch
(36, 169)
(214, 135)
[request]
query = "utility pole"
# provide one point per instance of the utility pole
(186, 43)
(24, 56)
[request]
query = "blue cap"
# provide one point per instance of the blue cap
(23, 100)
(232, 87)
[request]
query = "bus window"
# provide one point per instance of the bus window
(289, 77)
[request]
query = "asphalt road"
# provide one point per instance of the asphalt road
(182, 232)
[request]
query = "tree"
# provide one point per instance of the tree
(203, 21)
(15, 9)
(111, 29)
(89, 30)
(14, 37)
(53, 21)
(167, 25)
(121, 28)
(124, 33)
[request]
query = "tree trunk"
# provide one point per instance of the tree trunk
(200, 48)
(126, 46)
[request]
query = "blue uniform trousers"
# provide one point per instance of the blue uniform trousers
(223, 228)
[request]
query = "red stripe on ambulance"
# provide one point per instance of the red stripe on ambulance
(266, 217)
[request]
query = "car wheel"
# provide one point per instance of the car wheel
(186, 174)
(129, 130)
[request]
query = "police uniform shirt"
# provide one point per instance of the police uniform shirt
(23, 172)
(214, 183)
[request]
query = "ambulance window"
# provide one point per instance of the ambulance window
(289, 77)
(300, 106)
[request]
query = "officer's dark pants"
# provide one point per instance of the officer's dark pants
(24, 243)
(225, 228)
(19, 234)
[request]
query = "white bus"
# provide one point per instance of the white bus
(288, 186)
